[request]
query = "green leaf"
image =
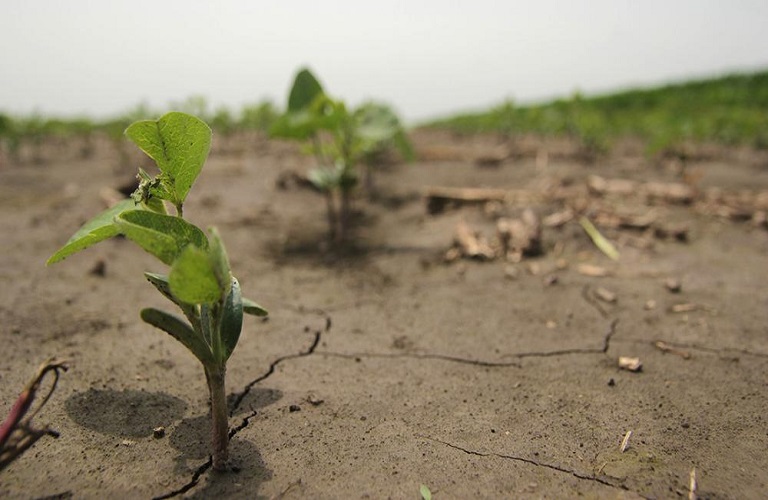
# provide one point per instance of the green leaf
(155, 205)
(95, 230)
(231, 319)
(251, 307)
(297, 125)
(193, 278)
(181, 331)
(426, 494)
(164, 236)
(323, 178)
(163, 286)
(304, 91)
(179, 143)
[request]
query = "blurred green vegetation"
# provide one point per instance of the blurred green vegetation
(35, 128)
(730, 110)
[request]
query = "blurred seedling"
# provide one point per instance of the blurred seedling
(340, 139)
(200, 280)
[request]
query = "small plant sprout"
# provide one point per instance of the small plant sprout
(339, 139)
(200, 281)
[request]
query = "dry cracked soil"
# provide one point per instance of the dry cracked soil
(383, 367)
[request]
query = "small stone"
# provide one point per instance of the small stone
(99, 268)
(550, 279)
(158, 432)
(606, 295)
(511, 272)
(294, 408)
(673, 285)
(314, 400)
(630, 364)
(611, 382)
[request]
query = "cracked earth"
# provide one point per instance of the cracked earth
(381, 367)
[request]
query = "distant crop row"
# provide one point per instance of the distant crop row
(34, 129)
(730, 110)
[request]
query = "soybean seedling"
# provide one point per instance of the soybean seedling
(200, 280)
(340, 139)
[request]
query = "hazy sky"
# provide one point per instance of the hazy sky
(425, 57)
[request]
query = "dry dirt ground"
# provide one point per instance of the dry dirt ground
(382, 367)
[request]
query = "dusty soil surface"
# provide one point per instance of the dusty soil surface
(382, 367)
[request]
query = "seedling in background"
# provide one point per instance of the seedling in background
(339, 139)
(200, 281)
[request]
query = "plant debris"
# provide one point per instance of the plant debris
(592, 270)
(16, 433)
(625, 442)
(664, 347)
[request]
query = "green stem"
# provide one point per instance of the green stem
(332, 215)
(219, 416)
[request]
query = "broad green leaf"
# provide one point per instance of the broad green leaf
(376, 123)
(304, 91)
(161, 283)
(95, 230)
(179, 143)
(193, 277)
(231, 319)
(251, 307)
(164, 236)
(181, 331)
(220, 260)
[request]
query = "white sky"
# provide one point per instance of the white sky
(427, 58)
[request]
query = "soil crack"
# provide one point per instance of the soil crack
(441, 357)
(490, 364)
(557, 468)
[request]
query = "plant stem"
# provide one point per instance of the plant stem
(332, 215)
(219, 416)
(344, 213)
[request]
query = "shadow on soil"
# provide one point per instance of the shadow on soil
(124, 412)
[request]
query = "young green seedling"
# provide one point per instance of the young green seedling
(200, 281)
(340, 139)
